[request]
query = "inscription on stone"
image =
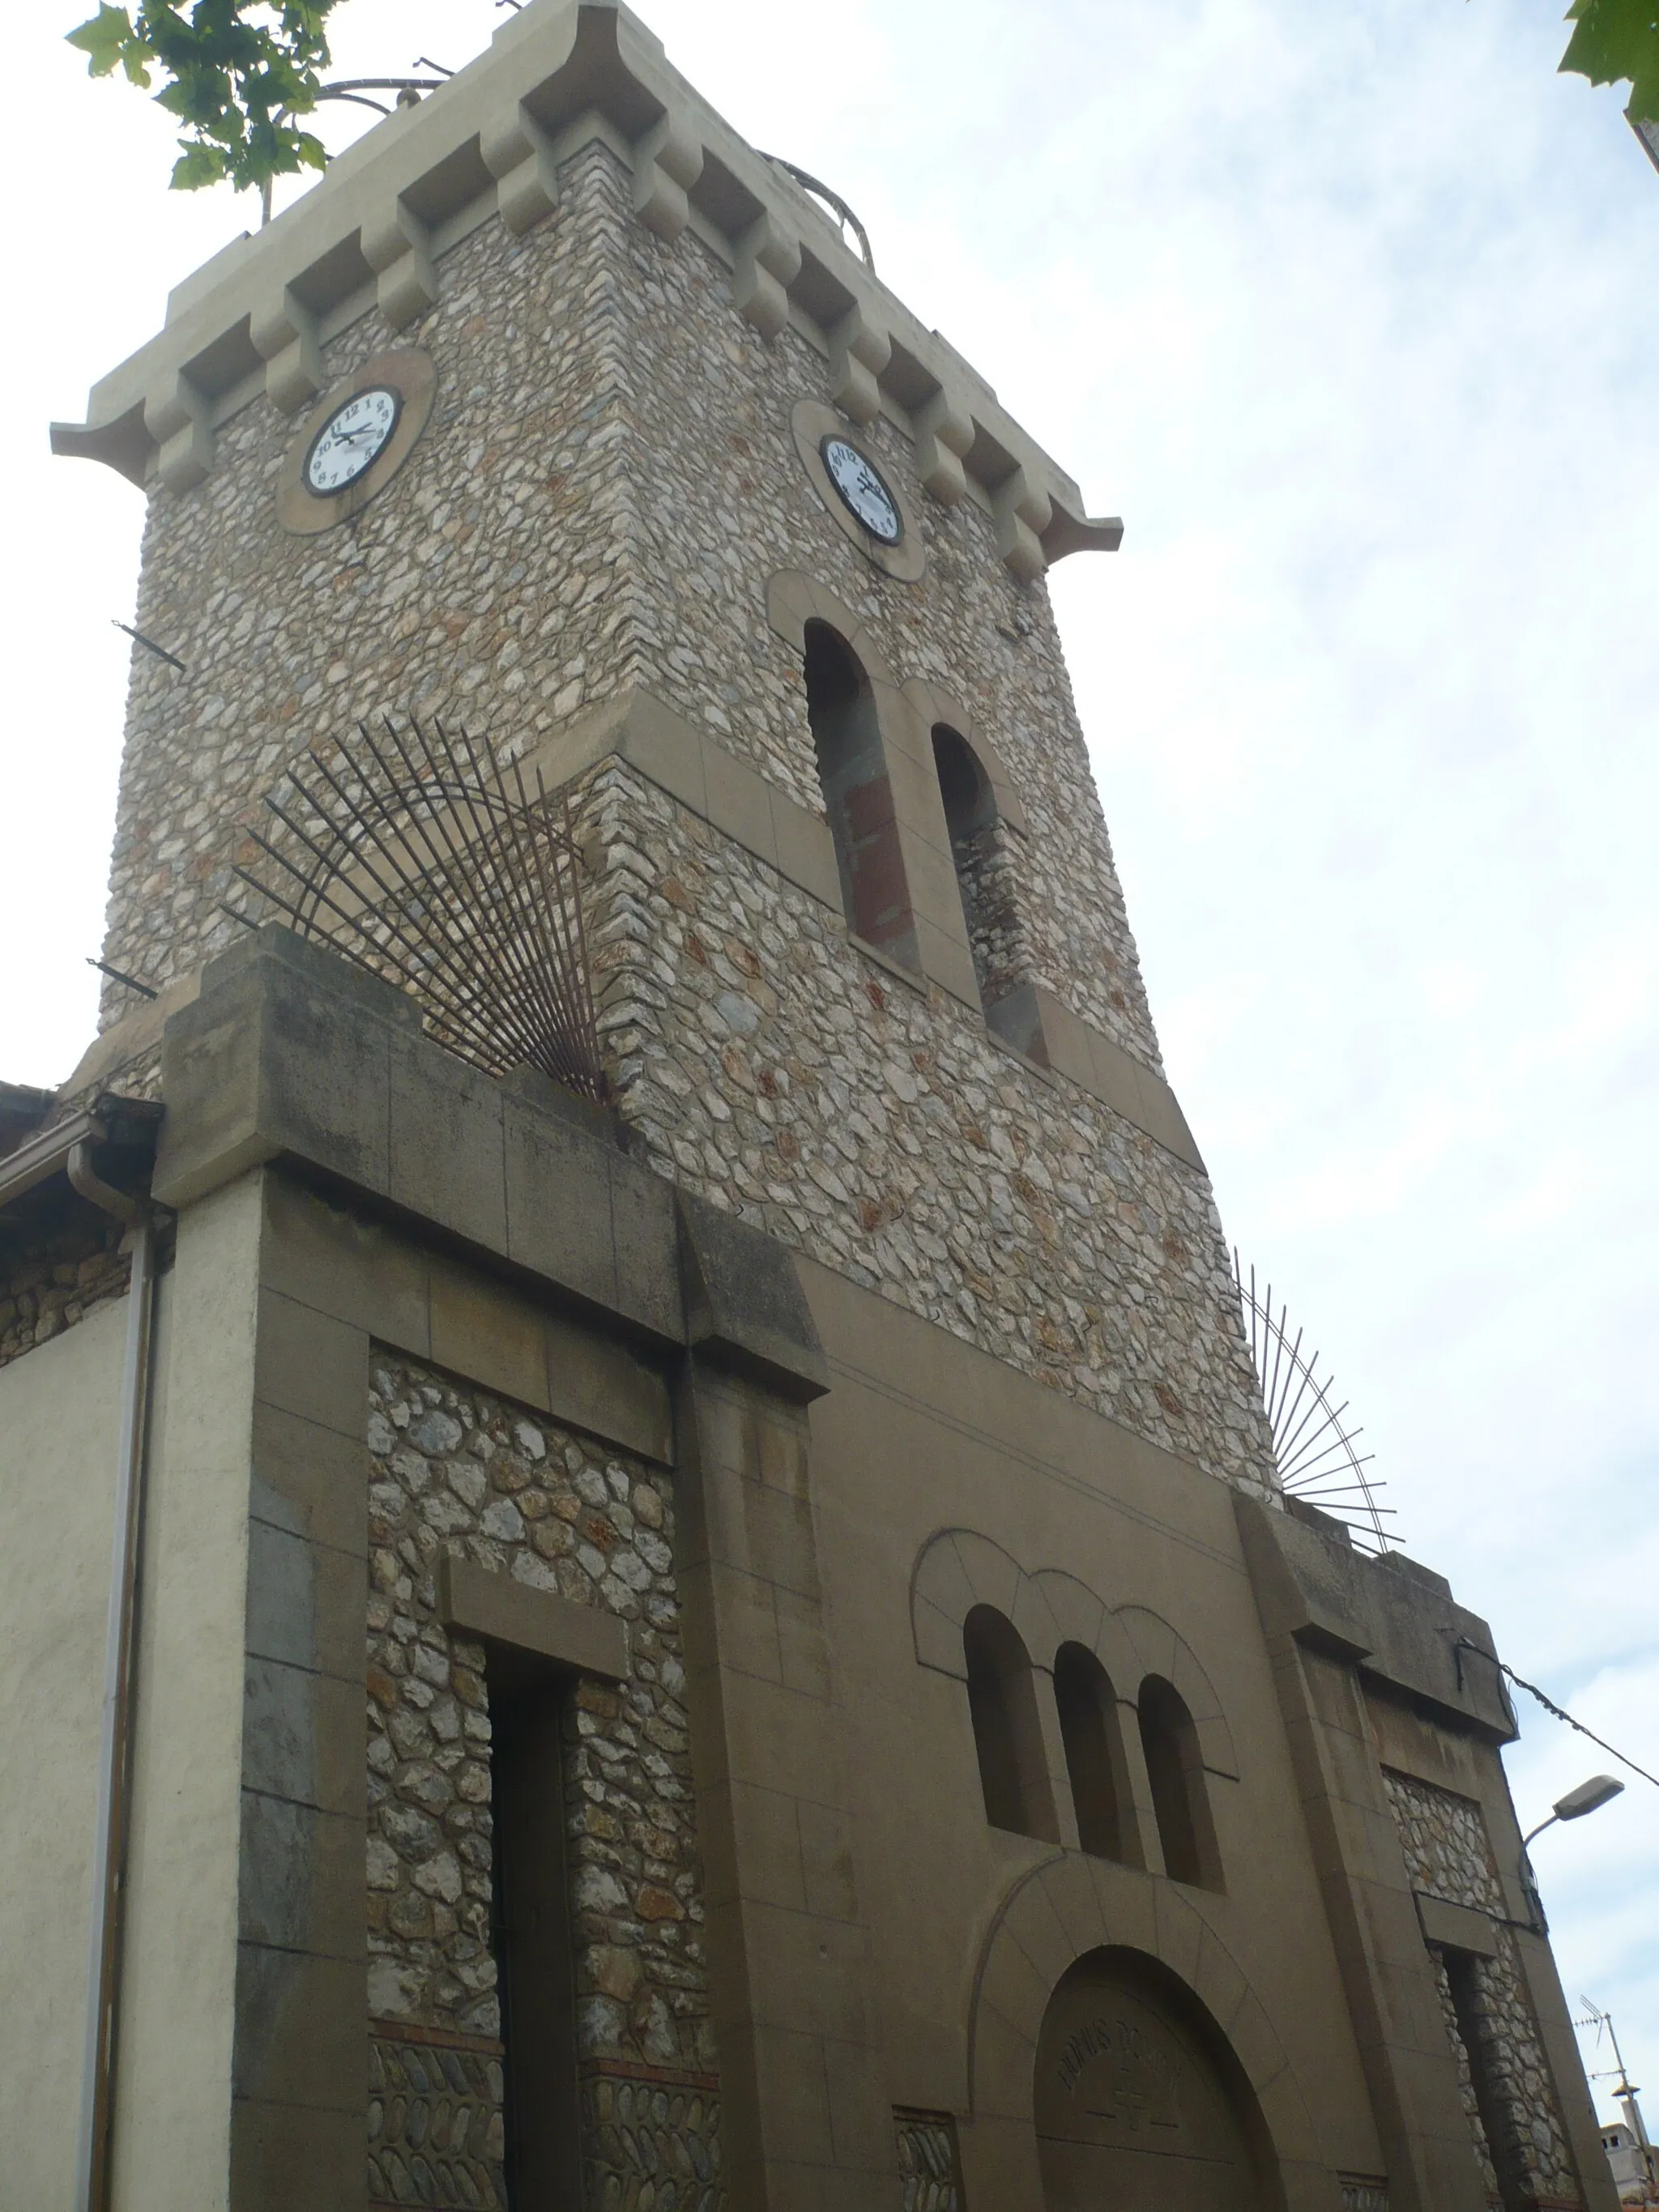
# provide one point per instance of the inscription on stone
(1117, 2072)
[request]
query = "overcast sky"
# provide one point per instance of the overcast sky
(1351, 312)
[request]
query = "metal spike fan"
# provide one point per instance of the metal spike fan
(1313, 1443)
(425, 860)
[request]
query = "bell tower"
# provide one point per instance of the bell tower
(733, 1639)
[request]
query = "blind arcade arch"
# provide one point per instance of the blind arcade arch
(1139, 2101)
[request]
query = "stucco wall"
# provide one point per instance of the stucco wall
(172, 2110)
(59, 1416)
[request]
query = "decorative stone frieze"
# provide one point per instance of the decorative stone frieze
(930, 2167)
(945, 434)
(858, 350)
(179, 417)
(519, 154)
(397, 247)
(435, 2121)
(284, 334)
(651, 2143)
(765, 262)
(667, 163)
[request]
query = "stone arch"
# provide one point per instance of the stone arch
(855, 783)
(1008, 1742)
(957, 1569)
(984, 827)
(793, 600)
(1138, 2095)
(1162, 1652)
(1057, 1913)
(933, 703)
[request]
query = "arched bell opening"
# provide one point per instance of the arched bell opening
(858, 795)
(1141, 2102)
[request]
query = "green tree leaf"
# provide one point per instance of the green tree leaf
(107, 39)
(197, 166)
(236, 74)
(1616, 41)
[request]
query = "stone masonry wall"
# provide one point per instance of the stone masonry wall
(930, 2165)
(49, 1284)
(988, 873)
(493, 582)
(1449, 1855)
(769, 1064)
(608, 480)
(459, 1470)
(724, 504)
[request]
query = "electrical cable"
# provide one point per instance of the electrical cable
(1465, 1643)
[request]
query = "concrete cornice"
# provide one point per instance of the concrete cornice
(489, 145)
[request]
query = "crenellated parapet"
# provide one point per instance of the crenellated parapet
(373, 235)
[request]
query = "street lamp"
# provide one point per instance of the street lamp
(1588, 1797)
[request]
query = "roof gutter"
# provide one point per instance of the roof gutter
(39, 1157)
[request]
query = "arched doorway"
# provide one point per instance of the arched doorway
(1141, 2104)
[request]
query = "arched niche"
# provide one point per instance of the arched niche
(1008, 1732)
(1138, 2100)
(1091, 1733)
(957, 1569)
(1060, 1912)
(857, 792)
(1180, 1797)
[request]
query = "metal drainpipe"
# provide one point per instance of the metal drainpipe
(92, 2180)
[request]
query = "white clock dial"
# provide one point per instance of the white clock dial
(863, 493)
(352, 439)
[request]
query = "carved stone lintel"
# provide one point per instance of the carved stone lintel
(399, 251)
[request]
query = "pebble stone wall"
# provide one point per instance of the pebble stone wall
(772, 1067)
(496, 582)
(723, 505)
(930, 2167)
(650, 2146)
(608, 482)
(458, 1470)
(987, 877)
(48, 1287)
(1449, 1855)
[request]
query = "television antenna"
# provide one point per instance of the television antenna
(1623, 2088)
(1314, 1442)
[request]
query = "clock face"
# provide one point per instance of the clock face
(352, 439)
(863, 492)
